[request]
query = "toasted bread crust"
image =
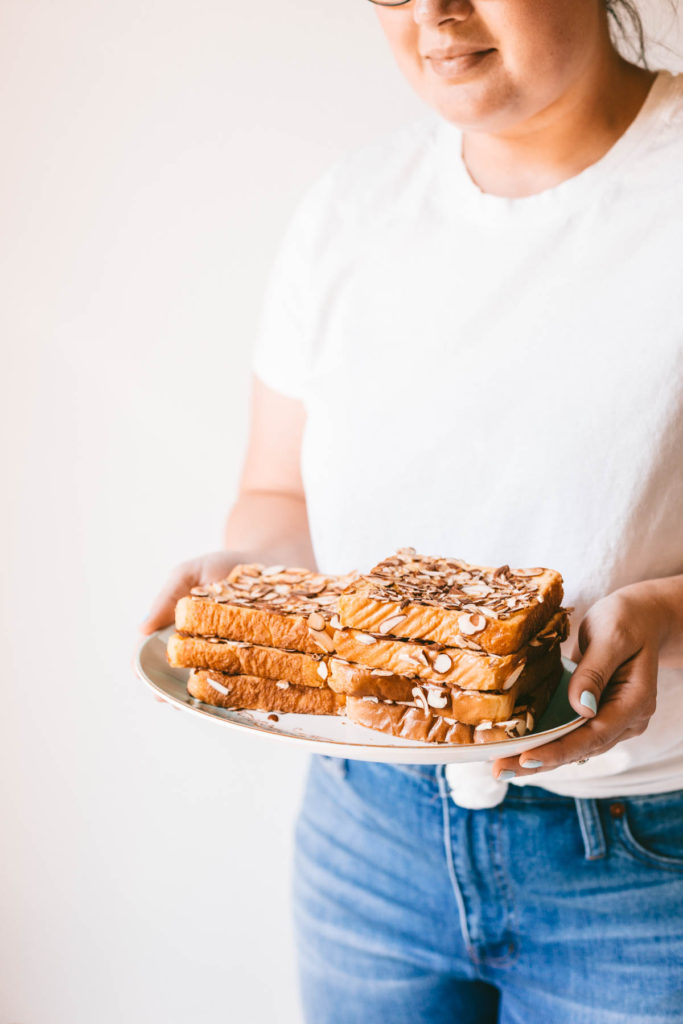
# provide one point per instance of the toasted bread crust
(449, 602)
(239, 658)
(526, 714)
(256, 694)
(469, 670)
(253, 625)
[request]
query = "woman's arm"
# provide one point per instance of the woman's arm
(623, 640)
(268, 522)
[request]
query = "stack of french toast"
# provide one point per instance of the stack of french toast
(428, 649)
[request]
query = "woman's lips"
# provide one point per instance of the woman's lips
(452, 67)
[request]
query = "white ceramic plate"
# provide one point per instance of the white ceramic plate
(337, 736)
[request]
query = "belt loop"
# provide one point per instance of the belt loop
(592, 831)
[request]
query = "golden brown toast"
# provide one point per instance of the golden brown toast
(268, 605)
(412, 722)
(524, 717)
(451, 666)
(453, 603)
(256, 694)
(236, 657)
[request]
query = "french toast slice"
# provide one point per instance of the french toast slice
(237, 657)
(273, 606)
(256, 694)
(452, 666)
(448, 601)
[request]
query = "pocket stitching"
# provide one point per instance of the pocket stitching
(640, 853)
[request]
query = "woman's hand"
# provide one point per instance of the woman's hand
(196, 572)
(615, 684)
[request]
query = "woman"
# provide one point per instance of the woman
(472, 344)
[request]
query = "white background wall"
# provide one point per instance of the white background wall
(152, 151)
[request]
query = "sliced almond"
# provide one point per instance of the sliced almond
(527, 572)
(514, 676)
(199, 592)
(388, 624)
(316, 621)
(420, 698)
(437, 698)
(442, 663)
(218, 686)
(365, 638)
(470, 624)
(529, 721)
(323, 670)
(273, 570)
(322, 639)
(335, 622)
(282, 684)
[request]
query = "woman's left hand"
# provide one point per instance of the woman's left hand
(615, 684)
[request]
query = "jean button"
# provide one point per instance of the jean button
(617, 809)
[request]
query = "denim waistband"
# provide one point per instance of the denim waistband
(589, 810)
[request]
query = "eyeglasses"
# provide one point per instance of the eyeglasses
(389, 3)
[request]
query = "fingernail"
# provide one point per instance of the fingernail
(587, 699)
(531, 763)
(506, 775)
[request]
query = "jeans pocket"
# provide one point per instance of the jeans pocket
(650, 829)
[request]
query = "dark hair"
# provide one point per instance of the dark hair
(626, 27)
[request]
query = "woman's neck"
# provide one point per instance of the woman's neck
(563, 139)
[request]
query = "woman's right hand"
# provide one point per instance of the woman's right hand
(193, 573)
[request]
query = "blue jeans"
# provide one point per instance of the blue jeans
(543, 910)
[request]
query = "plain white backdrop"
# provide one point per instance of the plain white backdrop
(152, 151)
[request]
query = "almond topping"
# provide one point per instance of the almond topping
(436, 698)
(365, 638)
(470, 624)
(420, 699)
(514, 676)
(273, 570)
(388, 624)
(527, 572)
(316, 621)
(322, 639)
(335, 622)
(218, 686)
(323, 670)
(282, 684)
(442, 663)
(529, 721)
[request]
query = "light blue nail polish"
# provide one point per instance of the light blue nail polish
(506, 775)
(589, 701)
(531, 763)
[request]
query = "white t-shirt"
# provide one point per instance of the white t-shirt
(497, 379)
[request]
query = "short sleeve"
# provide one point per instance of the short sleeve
(285, 337)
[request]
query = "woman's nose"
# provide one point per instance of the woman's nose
(434, 12)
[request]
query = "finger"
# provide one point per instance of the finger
(626, 708)
(162, 611)
(597, 666)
